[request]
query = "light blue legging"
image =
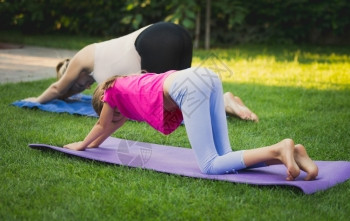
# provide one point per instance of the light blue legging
(198, 93)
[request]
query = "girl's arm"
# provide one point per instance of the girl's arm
(98, 141)
(83, 60)
(103, 128)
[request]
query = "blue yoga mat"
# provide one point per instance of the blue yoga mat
(78, 104)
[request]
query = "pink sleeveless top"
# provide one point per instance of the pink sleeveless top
(140, 97)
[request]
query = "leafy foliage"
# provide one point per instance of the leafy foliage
(232, 21)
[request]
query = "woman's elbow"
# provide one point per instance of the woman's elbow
(55, 89)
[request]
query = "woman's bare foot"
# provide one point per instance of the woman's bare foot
(305, 163)
(235, 107)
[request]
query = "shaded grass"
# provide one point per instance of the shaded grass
(298, 92)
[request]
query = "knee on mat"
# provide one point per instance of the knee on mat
(208, 169)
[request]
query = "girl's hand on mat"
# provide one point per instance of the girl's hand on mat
(74, 146)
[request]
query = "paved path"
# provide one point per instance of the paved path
(29, 63)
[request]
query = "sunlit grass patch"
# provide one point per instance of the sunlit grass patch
(287, 68)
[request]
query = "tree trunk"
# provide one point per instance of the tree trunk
(198, 29)
(207, 25)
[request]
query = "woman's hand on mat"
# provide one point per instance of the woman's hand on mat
(74, 146)
(31, 99)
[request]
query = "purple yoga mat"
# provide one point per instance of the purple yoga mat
(181, 161)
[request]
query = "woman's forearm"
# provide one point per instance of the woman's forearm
(83, 60)
(49, 94)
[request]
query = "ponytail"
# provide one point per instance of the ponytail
(61, 67)
(109, 82)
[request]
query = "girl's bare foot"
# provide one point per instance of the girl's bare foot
(235, 107)
(305, 163)
(285, 153)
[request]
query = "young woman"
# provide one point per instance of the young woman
(156, 48)
(195, 96)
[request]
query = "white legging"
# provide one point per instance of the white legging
(198, 93)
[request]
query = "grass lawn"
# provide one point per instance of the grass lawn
(298, 92)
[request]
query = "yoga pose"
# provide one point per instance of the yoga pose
(193, 95)
(156, 48)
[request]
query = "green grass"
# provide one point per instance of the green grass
(52, 41)
(298, 92)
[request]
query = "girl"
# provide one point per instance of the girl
(195, 96)
(156, 48)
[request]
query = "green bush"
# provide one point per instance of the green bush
(232, 21)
